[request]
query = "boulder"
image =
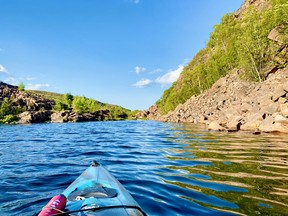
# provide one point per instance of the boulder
(270, 108)
(267, 124)
(276, 35)
(215, 126)
(29, 117)
(280, 91)
(232, 112)
(252, 121)
(281, 124)
(70, 116)
(59, 117)
(281, 119)
(235, 123)
(282, 100)
(246, 107)
(284, 109)
(281, 127)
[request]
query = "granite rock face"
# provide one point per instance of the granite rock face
(29, 117)
(234, 104)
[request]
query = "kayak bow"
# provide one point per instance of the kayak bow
(96, 192)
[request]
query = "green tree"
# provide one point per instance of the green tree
(59, 105)
(65, 103)
(21, 86)
(118, 113)
(6, 107)
(68, 100)
(8, 119)
(8, 112)
(80, 105)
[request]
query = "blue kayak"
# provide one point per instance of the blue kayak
(97, 192)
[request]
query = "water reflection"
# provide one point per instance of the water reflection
(240, 173)
(170, 169)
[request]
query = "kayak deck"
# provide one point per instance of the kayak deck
(97, 192)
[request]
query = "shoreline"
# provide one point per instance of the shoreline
(233, 104)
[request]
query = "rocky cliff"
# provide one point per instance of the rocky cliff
(235, 103)
(26, 100)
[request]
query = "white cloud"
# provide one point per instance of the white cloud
(166, 79)
(142, 83)
(170, 77)
(139, 69)
(135, 1)
(31, 86)
(158, 70)
(2, 69)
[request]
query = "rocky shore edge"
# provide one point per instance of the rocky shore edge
(234, 104)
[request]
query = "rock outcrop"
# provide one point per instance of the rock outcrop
(29, 117)
(70, 116)
(29, 102)
(234, 104)
(258, 5)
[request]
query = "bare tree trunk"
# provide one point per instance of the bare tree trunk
(255, 68)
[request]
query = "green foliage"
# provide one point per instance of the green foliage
(6, 107)
(93, 105)
(234, 43)
(46, 95)
(118, 113)
(68, 99)
(81, 104)
(8, 112)
(59, 106)
(8, 119)
(21, 86)
(64, 103)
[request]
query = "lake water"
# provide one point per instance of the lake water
(170, 169)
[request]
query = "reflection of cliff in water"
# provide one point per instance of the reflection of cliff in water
(239, 173)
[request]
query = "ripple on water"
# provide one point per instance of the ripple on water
(170, 169)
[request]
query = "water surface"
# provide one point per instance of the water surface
(170, 169)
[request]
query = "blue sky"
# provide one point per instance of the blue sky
(124, 52)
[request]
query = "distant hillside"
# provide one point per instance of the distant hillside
(46, 95)
(239, 41)
(20, 106)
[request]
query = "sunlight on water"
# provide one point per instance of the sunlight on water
(170, 169)
(247, 170)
